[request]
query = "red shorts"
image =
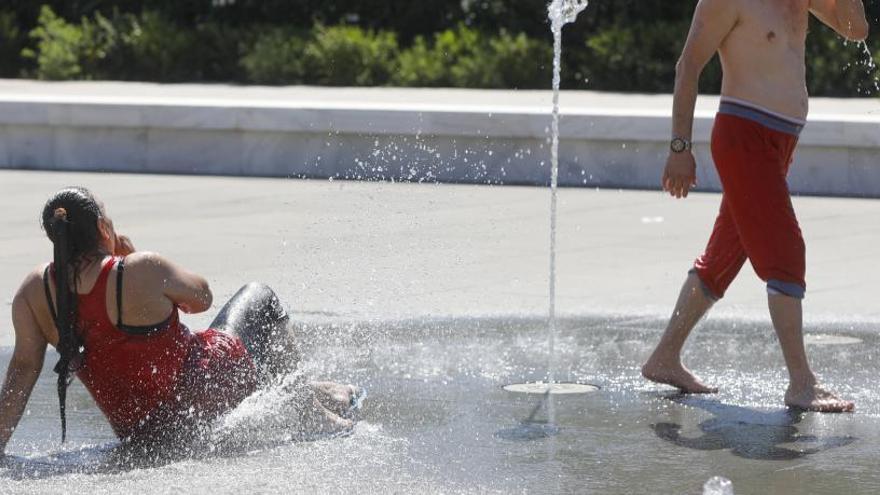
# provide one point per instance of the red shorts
(752, 149)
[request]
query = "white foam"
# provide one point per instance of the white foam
(718, 486)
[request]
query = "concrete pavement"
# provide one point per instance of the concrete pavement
(388, 262)
(368, 250)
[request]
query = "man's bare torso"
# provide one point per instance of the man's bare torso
(763, 56)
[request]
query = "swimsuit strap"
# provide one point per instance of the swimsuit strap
(133, 329)
(120, 267)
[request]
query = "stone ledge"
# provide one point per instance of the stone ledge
(478, 136)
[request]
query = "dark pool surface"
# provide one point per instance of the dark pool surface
(437, 420)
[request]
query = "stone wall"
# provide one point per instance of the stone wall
(620, 143)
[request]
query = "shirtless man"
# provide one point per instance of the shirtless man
(763, 108)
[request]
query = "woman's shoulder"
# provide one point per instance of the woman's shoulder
(31, 299)
(33, 282)
(145, 260)
(146, 265)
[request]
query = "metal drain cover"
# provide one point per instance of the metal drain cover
(828, 339)
(542, 388)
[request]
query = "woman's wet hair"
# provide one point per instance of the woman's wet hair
(70, 219)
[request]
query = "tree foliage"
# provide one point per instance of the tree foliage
(620, 45)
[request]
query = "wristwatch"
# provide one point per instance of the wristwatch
(679, 145)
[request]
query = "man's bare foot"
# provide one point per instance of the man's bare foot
(815, 398)
(676, 375)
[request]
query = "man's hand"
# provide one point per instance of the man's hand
(680, 174)
(124, 246)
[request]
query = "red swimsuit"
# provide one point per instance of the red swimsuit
(143, 382)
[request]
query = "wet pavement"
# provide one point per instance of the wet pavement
(432, 297)
(437, 420)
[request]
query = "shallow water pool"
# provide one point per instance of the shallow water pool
(437, 420)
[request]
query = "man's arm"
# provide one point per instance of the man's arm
(847, 17)
(713, 21)
(24, 368)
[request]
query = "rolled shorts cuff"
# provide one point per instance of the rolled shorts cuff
(790, 289)
(706, 290)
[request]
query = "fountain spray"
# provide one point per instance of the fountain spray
(560, 12)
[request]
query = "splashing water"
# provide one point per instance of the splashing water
(718, 486)
(870, 66)
(560, 12)
(271, 415)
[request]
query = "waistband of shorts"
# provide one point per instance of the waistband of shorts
(761, 115)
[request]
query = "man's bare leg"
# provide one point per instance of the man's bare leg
(664, 365)
(803, 391)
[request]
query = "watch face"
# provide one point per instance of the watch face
(678, 145)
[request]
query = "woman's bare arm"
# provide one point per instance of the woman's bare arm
(24, 368)
(189, 291)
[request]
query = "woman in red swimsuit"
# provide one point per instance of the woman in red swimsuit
(112, 314)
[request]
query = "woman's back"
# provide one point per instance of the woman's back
(130, 371)
(143, 367)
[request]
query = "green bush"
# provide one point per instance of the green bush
(623, 46)
(519, 62)
(103, 51)
(632, 57)
(160, 50)
(464, 57)
(350, 56)
(503, 61)
(93, 49)
(461, 51)
(430, 65)
(59, 47)
(421, 65)
(12, 40)
(276, 58)
(218, 51)
(124, 46)
(835, 68)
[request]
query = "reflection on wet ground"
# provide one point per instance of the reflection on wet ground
(437, 419)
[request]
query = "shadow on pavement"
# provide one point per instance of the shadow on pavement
(531, 428)
(748, 433)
